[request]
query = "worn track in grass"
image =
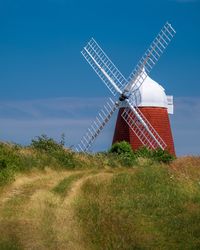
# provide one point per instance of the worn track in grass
(32, 216)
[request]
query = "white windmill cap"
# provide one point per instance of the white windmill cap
(152, 94)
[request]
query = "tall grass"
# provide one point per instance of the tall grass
(40, 154)
(122, 201)
(146, 209)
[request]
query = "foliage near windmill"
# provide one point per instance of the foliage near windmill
(44, 151)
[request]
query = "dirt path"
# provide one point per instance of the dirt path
(32, 216)
(72, 239)
(24, 180)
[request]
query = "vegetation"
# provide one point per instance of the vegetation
(44, 151)
(124, 150)
(150, 208)
(54, 149)
(121, 148)
(53, 198)
(64, 185)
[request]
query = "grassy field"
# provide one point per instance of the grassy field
(96, 202)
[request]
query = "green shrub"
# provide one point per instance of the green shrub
(66, 159)
(45, 143)
(43, 152)
(124, 153)
(10, 162)
(54, 149)
(158, 154)
(122, 147)
(127, 160)
(128, 156)
(162, 156)
(143, 152)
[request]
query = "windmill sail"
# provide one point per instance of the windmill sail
(104, 67)
(97, 126)
(150, 57)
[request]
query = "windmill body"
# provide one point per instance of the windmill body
(139, 98)
(156, 106)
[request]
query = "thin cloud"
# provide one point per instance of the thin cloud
(186, 124)
(55, 107)
(20, 121)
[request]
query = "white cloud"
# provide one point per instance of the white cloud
(20, 121)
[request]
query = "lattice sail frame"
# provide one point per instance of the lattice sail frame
(104, 67)
(97, 125)
(128, 89)
(150, 57)
(142, 128)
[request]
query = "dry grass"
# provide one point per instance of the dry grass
(187, 166)
(34, 217)
(27, 151)
(153, 207)
(145, 207)
(29, 210)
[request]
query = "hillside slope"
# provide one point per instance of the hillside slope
(53, 198)
(147, 206)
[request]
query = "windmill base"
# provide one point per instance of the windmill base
(159, 119)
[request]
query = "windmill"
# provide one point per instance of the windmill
(128, 92)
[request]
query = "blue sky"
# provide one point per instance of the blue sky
(47, 87)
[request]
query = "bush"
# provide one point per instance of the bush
(158, 155)
(121, 148)
(128, 156)
(10, 162)
(56, 150)
(127, 160)
(43, 152)
(162, 156)
(143, 152)
(125, 153)
(45, 143)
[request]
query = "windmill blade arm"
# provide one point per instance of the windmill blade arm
(97, 126)
(142, 127)
(151, 56)
(104, 67)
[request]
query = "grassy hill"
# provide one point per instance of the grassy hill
(52, 198)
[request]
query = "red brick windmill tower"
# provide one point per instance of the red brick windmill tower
(155, 106)
(143, 106)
